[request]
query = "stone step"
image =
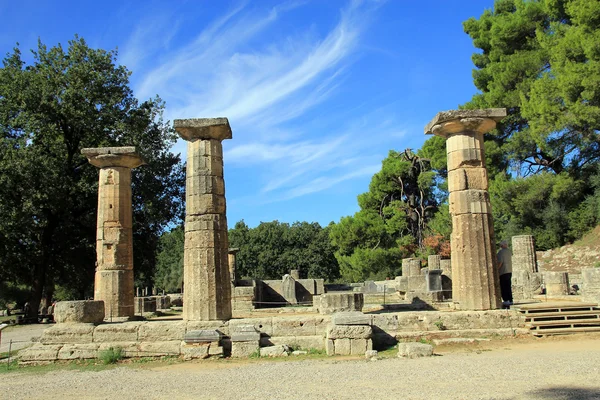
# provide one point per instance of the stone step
(559, 314)
(565, 322)
(566, 331)
(538, 309)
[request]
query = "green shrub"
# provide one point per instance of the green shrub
(111, 355)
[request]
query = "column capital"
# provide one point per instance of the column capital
(106, 157)
(203, 128)
(446, 123)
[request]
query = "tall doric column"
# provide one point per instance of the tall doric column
(475, 284)
(113, 282)
(206, 280)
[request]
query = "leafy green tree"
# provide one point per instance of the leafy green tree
(63, 101)
(272, 249)
(392, 222)
(169, 260)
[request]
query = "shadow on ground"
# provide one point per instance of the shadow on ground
(564, 393)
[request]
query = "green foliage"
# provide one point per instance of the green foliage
(272, 249)
(65, 100)
(111, 355)
(169, 261)
(392, 222)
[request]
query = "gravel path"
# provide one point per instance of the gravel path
(21, 335)
(567, 369)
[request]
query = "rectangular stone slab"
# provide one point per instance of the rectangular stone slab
(202, 336)
(350, 318)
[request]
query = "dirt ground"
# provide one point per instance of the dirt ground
(562, 367)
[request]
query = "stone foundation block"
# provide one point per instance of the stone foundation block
(275, 351)
(351, 318)
(215, 350)
(414, 350)
(244, 349)
(556, 283)
(360, 346)
(130, 349)
(342, 347)
(144, 305)
(467, 178)
(39, 352)
(263, 325)
(84, 311)
(469, 202)
(121, 332)
(295, 342)
(417, 283)
(221, 326)
(190, 352)
(298, 326)
(202, 336)
(155, 349)
(78, 351)
(161, 330)
(68, 333)
(349, 331)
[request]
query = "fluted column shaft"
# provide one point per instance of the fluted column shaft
(113, 281)
(206, 276)
(475, 284)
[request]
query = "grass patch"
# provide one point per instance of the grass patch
(388, 352)
(111, 355)
(77, 365)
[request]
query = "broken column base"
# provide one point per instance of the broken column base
(350, 333)
(83, 311)
(245, 342)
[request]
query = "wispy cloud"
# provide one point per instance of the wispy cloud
(235, 67)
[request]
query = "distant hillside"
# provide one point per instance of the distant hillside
(572, 258)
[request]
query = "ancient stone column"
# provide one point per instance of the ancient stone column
(113, 282)
(523, 254)
(475, 283)
(207, 283)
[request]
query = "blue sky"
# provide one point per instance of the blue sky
(316, 92)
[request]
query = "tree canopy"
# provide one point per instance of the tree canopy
(65, 100)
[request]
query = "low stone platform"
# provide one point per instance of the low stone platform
(166, 338)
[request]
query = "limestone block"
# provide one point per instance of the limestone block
(202, 336)
(298, 326)
(78, 351)
(342, 347)
(116, 289)
(446, 267)
(206, 239)
(275, 351)
(590, 282)
(198, 165)
(161, 330)
(263, 325)
(204, 184)
(124, 156)
(433, 261)
(68, 333)
(351, 318)
(319, 286)
(244, 349)
(414, 267)
(470, 202)
(129, 349)
(465, 158)
(190, 352)
(302, 342)
(215, 350)
(417, 283)
(117, 332)
(402, 283)
(556, 283)
(212, 222)
(360, 346)
(205, 204)
(371, 355)
(84, 311)
(414, 350)
(330, 347)
(288, 286)
(194, 129)
(385, 322)
(245, 337)
(406, 270)
(206, 148)
(39, 352)
(221, 326)
(158, 349)
(467, 178)
(144, 305)
(464, 140)
(335, 302)
(349, 331)
(246, 292)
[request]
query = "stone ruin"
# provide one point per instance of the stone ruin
(213, 294)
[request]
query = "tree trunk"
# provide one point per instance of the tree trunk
(41, 268)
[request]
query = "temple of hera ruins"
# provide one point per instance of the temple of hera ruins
(113, 282)
(475, 284)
